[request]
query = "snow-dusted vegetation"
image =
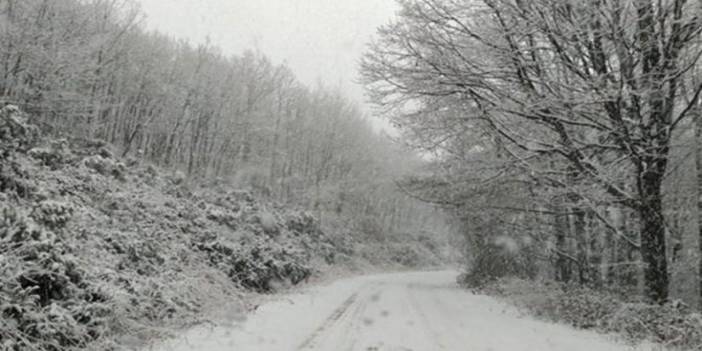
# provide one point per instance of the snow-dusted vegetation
(106, 253)
(147, 184)
(552, 148)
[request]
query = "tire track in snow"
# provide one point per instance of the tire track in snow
(353, 327)
(328, 323)
(429, 327)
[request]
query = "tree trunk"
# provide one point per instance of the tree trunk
(611, 246)
(698, 161)
(563, 266)
(653, 246)
(581, 244)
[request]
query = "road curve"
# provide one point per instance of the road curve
(423, 311)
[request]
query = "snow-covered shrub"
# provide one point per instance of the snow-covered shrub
(672, 324)
(46, 302)
(98, 164)
(143, 257)
(178, 177)
(54, 155)
(15, 133)
(260, 266)
(52, 214)
(581, 307)
(268, 223)
(495, 260)
(106, 166)
(406, 255)
(263, 268)
(411, 254)
(223, 217)
(105, 152)
(151, 171)
(14, 179)
(242, 196)
(47, 156)
(301, 222)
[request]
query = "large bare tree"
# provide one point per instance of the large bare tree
(594, 85)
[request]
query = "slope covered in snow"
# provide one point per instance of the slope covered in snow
(100, 252)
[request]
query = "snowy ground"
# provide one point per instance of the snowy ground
(422, 311)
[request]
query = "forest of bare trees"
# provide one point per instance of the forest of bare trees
(565, 123)
(552, 149)
(88, 69)
(569, 127)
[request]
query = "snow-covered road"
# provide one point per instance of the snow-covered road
(407, 311)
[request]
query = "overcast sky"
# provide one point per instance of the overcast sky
(321, 40)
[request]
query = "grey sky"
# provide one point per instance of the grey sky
(321, 40)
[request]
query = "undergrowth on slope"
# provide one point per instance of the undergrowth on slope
(98, 254)
(102, 253)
